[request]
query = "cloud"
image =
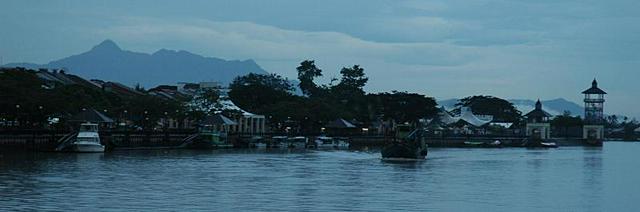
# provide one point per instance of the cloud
(262, 42)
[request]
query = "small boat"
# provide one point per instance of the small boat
(539, 143)
(594, 142)
(474, 143)
(483, 144)
(549, 144)
(257, 142)
(88, 139)
(210, 140)
(407, 146)
(278, 142)
(324, 142)
(496, 143)
(298, 142)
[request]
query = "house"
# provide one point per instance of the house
(121, 89)
(167, 92)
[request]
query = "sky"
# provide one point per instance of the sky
(443, 48)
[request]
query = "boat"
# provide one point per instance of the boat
(324, 142)
(341, 143)
(483, 144)
(211, 140)
(539, 143)
(594, 142)
(257, 142)
(298, 142)
(549, 144)
(407, 145)
(278, 142)
(88, 139)
(474, 143)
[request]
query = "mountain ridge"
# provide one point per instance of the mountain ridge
(108, 61)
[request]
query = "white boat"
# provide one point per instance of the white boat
(341, 143)
(298, 142)
(324, 142)
(88, 139)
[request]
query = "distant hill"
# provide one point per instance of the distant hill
(554, 106)
(107, 61)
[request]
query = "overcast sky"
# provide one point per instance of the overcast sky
(444, 48)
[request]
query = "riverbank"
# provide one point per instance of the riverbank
(45, 140)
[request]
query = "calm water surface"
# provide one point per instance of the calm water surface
(563, 179)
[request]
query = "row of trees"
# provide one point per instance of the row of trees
(345, 98)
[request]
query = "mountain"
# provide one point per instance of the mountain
(554, 106)
(107, 61)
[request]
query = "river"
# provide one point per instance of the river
(451, 179)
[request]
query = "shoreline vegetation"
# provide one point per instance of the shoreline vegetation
(45, 99)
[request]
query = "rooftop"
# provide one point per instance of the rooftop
(594, 89)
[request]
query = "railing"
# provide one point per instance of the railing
(591, 100)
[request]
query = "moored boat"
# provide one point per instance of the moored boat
(257, 142)
(211, 140)
(88, 139)
(483, 144)
(324, 142)
(298, 142)
(278, 142)
(539, 143)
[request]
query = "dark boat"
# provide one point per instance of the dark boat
(539, 143)
(593, 142)
(409, 147)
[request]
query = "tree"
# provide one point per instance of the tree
(256, 92)
(403, 106)
(307, 72)
(207, 100)
(500, 109)
(353, 79)
(561, 124)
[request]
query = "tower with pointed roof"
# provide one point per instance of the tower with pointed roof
(593, 129)
(594, 104)
(538, 126)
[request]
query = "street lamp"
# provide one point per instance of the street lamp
(166, 121)
(17, 114)
(41, 114)
(144, 119)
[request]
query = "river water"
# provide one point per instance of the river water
(510, 179)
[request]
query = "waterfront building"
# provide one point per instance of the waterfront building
(218, 123)
(246, 122)
(465, 123)
(538, 125)
(594, 112)
(341, 127)
(466, 117)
